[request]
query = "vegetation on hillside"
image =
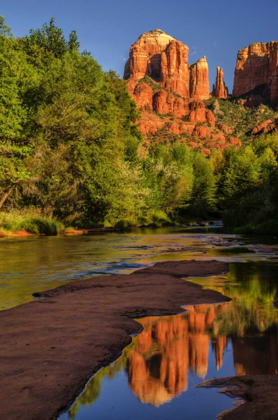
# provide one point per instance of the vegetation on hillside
(239, 119)
(71, 150)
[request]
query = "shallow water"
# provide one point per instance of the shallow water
(156, 375)
(34, 264)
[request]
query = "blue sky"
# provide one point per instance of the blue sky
(107, 28)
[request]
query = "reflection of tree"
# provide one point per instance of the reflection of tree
(159, 359)
(253, 288)
(93, 388)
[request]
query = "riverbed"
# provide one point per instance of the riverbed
(156, 375)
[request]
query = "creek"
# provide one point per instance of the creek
(156, 375)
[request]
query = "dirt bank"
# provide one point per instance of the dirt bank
(50, 348)
(19, 233)
(258, 391)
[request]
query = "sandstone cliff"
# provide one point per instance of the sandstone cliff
(219, 89)
(171, 94)
(165, 60)
(199, 79)
(256, 74)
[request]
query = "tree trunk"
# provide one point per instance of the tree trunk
(7, 194)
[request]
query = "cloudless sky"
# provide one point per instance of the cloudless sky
(107, 28)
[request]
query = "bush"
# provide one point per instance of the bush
(159, 218)
(267, 228)
(126, 224)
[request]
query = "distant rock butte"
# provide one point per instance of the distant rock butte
(165, 60)
(256, 74)
(220, 90)
(169, 92)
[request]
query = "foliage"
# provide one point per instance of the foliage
(248, 185)
(239, 119)
(70, 148)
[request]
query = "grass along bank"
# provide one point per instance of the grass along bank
(32, 222)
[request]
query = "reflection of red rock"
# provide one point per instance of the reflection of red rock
(199, 347)
(167, 348)
(257, 68)
(161, 375)
(219, 347)
(148, 390)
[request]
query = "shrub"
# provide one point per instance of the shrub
(126, 224)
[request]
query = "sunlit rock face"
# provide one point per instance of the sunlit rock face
(256, 73)
(199, 79)
(145, 55)
(220, 90)
(174, 70)
(170, 93)
(165, 60)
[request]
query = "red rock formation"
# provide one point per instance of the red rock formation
(145, 55)
(175, 73)
(165, 102)
(142, 93)
(199, 79)
(151, 123)
(169, 92)
(210, 118)
(233, 142)
(165, 60)
(219, 89)
(224, 128)
(257, 70)
(267, 126)
(197, 112)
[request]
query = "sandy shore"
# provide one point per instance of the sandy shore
(51, 347)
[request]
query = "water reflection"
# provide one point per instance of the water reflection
(161, 362)
(29, 265)
(168, 348)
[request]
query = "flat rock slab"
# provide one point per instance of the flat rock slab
(51, 347)
(258, 391)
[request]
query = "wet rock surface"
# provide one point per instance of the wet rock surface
(258, 392)
(51, 347)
